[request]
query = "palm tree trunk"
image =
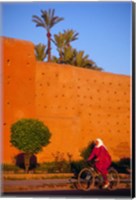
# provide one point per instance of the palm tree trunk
(49, 46)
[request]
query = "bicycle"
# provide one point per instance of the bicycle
(90, 177)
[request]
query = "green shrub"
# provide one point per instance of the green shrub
(9, 167)
(87, 150)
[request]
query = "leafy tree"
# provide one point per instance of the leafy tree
(47, 21)
(29, 136)
(40, 52)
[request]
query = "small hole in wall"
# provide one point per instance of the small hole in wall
(8, 61)
(57, 74)
(29, 55)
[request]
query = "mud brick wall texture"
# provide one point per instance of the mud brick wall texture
(78, 105)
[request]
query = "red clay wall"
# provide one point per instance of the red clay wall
(18, 87)
(78, 105)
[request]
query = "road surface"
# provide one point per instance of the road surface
(122, 193)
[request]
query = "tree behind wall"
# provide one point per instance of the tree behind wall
(47, 21)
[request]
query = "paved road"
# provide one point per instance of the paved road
(122, 193)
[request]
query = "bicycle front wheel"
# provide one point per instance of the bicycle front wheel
(85, 179)
(113, 178)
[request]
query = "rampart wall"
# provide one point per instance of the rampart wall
(78, 105)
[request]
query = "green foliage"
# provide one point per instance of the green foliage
(47, 21)
(67, 54)
(40, 52)
(123, 165)
(29, 135)
(86, 151)
(9, 167)
(77, 166)
(70, 35)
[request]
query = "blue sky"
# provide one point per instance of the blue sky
(104, 29)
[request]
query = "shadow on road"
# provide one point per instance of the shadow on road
(124, 193)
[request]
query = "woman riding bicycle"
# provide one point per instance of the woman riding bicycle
(102, 160)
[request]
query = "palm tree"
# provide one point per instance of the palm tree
(47, 21)
(60, 42)
(63, 40)
(70, 35)
(40, 52)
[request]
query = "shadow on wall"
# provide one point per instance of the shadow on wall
(20, 161)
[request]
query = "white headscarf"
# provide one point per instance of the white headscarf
(100, 143)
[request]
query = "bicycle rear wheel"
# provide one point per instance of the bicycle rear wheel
(85, 179)
(113, 178)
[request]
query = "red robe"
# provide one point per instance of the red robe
(103, 159)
